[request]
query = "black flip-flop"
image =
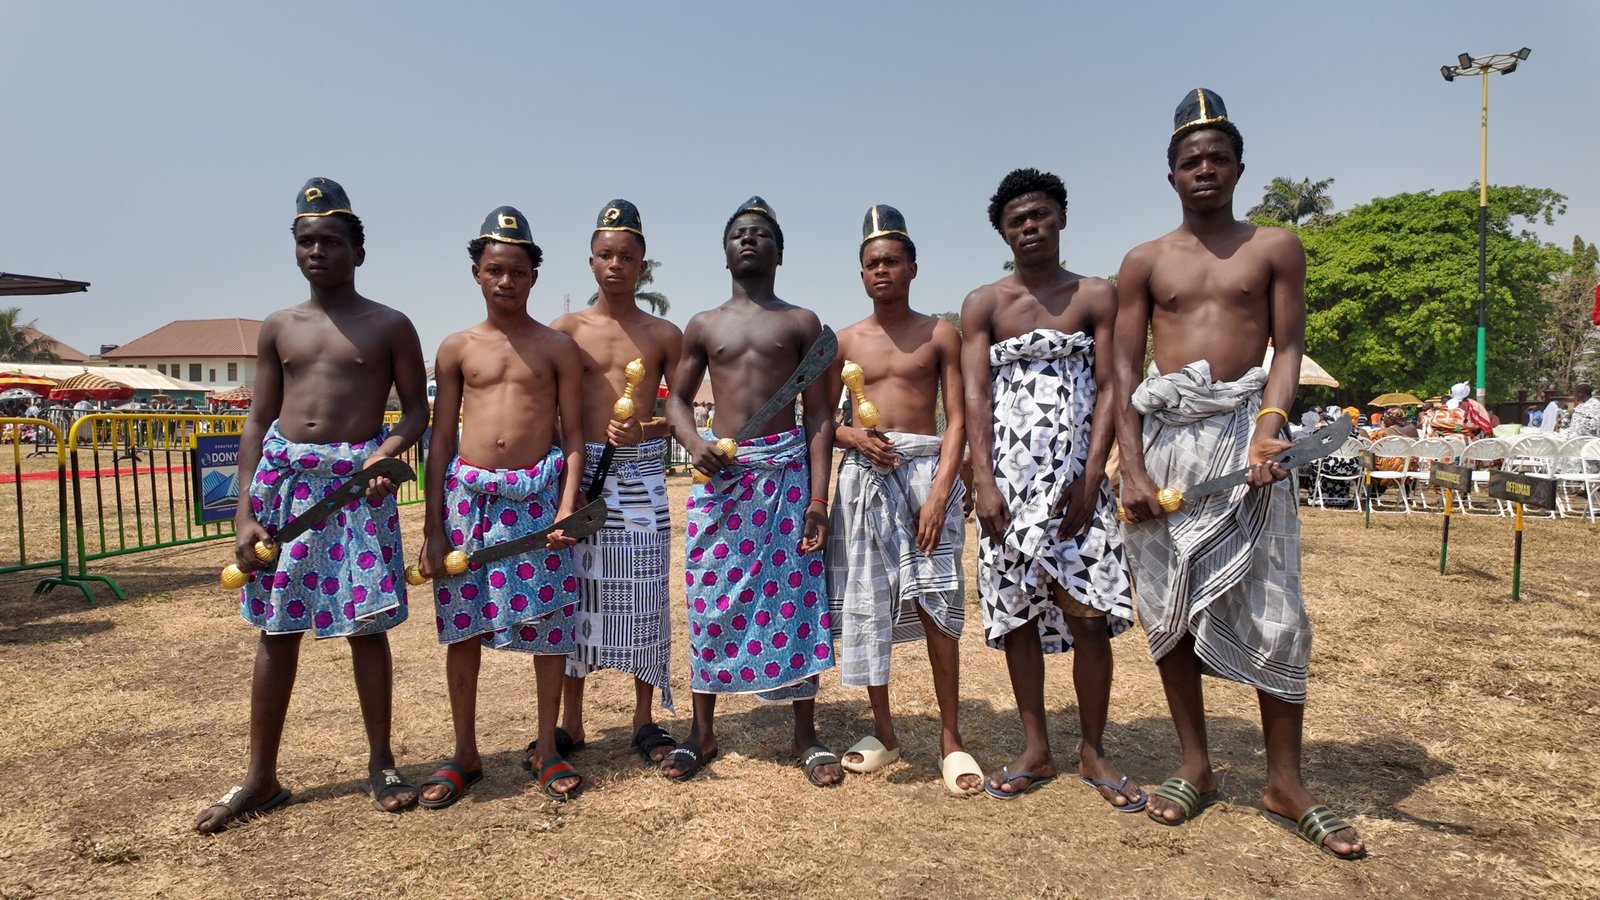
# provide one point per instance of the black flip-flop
(242, 806)
(650, 736)
(453, 777)
(391, 782)
(690, 753)
(564, 747)
(817, 756)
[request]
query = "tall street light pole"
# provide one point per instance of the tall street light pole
(1481, 66)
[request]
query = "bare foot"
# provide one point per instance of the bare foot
(677, 766)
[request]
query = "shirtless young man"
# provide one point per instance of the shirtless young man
(624, 621)
(323, 374)
(895, 542)
(1036, 360)
(1219, 579)
(757, 593)
(510, 383)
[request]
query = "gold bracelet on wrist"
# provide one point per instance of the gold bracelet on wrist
(1268, 410)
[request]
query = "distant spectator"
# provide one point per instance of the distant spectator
(1585, 420)
(1535, 418)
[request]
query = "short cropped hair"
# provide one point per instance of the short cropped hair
(905, 241)
(1020, 183)
(353, 228)
(636, 236)
(476, 245)
(1227, 128)
(777, 230)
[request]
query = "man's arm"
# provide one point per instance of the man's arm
(818, 418)
(876, 448)
(266, 403)
(1287, 299)
(410, 377)
(1132, 326)
(682, 386)
(441, 450)
(568, 368)
(671, 349)
(1081, 495)
(977, 313)
(930, 522)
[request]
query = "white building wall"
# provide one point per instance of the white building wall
(213, 371)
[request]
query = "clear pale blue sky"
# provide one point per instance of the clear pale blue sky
(155, 149)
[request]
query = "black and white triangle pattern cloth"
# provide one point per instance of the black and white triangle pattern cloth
(1044, 394)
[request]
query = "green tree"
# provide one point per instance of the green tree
(1392, 291)
(1569, 341)
(657, 300)
(1291, 202)
(20, 345)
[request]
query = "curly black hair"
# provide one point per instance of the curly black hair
(777, 230)
(1021, 182)
(353, 228)
(905, 241)
(1227, 128)
(476, 245)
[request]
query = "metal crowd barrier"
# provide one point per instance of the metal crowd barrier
(41, 512)
(133, 488)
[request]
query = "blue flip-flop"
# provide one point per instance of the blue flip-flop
(1034, 781)
(1116, 788)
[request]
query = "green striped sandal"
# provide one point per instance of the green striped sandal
(1186, 795)
(1314, 827)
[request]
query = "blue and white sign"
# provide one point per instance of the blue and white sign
(215, 464)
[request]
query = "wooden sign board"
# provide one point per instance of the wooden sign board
(1456, 478)
(1529, 490)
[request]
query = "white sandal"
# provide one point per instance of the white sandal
(956, 765)
(874, 756)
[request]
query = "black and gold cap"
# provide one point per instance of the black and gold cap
(883, 221)
(506, 225)
(1199, 107)
(620, 215)
(758, 206)
(321, 197)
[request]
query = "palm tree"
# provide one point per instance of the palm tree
(20, 345)
(657, 300)
(1288, 201)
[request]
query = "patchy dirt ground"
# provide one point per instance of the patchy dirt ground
(1455, 728)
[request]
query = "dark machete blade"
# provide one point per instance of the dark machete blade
(1313, 446)
(398, 472)
(581, 524)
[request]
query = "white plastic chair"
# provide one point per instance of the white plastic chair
(1535, 454)
(1424, 454)
(1483, 456)
(1393, 447)
(1577, 464)
(1351, 450)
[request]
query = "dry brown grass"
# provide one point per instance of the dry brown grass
(1454, 727)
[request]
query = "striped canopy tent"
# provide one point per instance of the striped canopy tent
(239, 396)
(38, 384)
(90, 386)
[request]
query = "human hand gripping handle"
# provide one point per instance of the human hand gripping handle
(814, 535)
(433, 561)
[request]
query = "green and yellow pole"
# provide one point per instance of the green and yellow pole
(1444, 544)
(1516, 564)
(1483, 240)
